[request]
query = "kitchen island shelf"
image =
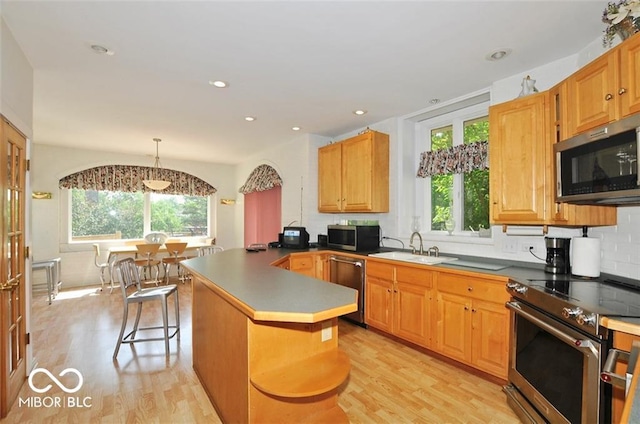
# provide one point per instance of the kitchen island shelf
(312, 376)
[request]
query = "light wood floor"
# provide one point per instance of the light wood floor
(388, 383)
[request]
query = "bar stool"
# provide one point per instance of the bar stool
(52, 268)
(175, 249)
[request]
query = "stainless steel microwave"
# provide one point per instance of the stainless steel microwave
(356, 238)
(600, 167)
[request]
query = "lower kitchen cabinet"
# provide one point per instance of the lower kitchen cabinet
(398, 300)
(309, 264)
(472, 324)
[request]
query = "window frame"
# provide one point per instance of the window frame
(455, 118)
(67, 243)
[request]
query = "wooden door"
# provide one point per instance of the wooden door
(630, 76)
(411, 307)
(357, 171)
(378, 298)
(330, 178)
(593, 94)
(490, 337)
(453, 326)
(13, 343)
(519, 137)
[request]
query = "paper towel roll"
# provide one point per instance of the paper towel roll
(585, 256)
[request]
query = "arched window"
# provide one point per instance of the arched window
(111, 202)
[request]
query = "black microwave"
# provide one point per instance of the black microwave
(295, 238)
(357, 238)
(600, 166)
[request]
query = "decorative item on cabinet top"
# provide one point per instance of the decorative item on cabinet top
(622, 19)
(528, 86)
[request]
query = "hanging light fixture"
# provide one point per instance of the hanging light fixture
(156, 183)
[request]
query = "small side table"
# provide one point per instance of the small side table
(52, 268)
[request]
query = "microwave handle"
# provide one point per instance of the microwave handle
(558, 174)
(637, 156)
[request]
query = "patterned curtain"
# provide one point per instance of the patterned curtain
(455, 160)
(129, 178)
(264, 177)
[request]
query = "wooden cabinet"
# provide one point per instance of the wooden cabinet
(398, 300)
(472, 324)
(606, 89)
(353, 175)
(309, 264)
(522, 165)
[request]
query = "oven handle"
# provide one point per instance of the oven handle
(580, 344)
(608, 374)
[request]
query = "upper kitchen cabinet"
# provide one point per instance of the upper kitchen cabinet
(353, 175)
(606, 89)
(522, 167)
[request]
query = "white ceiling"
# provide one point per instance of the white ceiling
(304, 63)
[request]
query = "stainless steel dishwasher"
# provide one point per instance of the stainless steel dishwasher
(349, 272)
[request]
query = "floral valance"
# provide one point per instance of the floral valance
(129, 178)
(454, 160)
(264, 177)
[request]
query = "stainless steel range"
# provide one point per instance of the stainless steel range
(558, 347)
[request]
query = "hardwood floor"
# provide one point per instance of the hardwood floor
(388, 383)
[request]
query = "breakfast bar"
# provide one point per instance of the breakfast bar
(265, 340)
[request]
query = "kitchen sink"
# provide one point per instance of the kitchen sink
(413, 258)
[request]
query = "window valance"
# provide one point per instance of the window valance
(129, 178)
(455, 160)
(264, 177)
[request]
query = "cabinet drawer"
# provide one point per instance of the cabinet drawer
(422, 277)
(492, 291)
(380, 270)
(301, 262)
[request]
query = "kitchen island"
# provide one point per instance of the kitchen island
(265, 340)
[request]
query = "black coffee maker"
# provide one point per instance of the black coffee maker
(557, 261)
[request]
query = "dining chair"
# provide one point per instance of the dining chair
(146, 260)
(133, 293)
(209, 250)
(102, 266)
(175, 249)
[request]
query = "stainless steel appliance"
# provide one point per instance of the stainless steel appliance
(349, 272)
(356, 238)
(600, 166)
(557, 261)
(558, 347)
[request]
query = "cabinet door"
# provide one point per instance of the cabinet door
(411, 307)
(593, 93)
(357, 170)
(330, 178)
(518, 132)
(303, 264)
(453, 326)
(630, 76)
(378, 301)
(490, 337)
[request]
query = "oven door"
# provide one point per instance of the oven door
(554, 367)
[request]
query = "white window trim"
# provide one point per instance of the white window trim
(423, 185)
(65, 235)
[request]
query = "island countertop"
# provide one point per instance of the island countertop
(268, 293)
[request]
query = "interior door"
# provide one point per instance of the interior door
(13, 343)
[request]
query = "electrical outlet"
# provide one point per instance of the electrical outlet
(510, 246)
(528, 248)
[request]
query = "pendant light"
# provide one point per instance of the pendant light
(155, 183)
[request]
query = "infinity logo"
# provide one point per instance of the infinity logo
(55, 380)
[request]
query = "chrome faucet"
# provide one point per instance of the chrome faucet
(434, 250)
(413, 249)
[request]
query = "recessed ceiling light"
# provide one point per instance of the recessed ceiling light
(101, 50)
(434, 101)
(359, 112)
(219, 84)
(296, 128)
(498, 54)
(250, 118)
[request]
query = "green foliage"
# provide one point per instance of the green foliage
(104, 212)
